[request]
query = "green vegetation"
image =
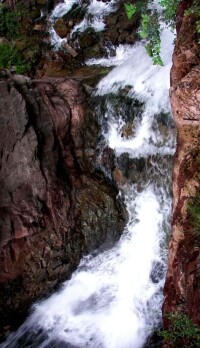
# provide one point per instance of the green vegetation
(194, 213)
(11, 56)
(130, 10)
(169, 10)
(150, 28)
(181, 332)
(9, 28)
(150, 23)
(152, 34)
(17, 48)
(9, 22)
(195, 12)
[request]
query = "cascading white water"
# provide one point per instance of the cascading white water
(93, 18)
(114, 299)
(149, 83)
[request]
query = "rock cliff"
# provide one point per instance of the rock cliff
(182, 288)
(55, 206)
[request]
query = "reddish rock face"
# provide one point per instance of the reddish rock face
(54, 207)
(182, 288)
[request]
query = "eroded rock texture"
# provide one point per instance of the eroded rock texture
(54, 206)
(182, 288)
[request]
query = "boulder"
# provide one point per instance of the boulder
(61, 29)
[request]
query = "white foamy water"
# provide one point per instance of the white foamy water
(94, 17)
(150, 84)
(96, 10)
(106, 303)
(114, 299)
(122, 53)
(59, 11)
(62, 8)
(148, 81)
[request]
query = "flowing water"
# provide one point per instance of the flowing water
(114, 299)
(93, 18)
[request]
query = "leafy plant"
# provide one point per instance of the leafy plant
(130, 10)
(169, 10)
(152, 34)
(11, 56)
(150, 29)
(195, 12)
(181, 331)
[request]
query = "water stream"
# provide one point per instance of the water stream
(114, 299)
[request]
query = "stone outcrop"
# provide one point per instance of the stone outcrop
(55, 206)
(182, 288)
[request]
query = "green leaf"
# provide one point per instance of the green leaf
(130, 10)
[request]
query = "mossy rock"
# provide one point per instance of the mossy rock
(88, 38)
(96, 51)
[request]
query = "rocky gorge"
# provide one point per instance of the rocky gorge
(59, 193)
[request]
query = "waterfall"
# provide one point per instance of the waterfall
(114, 298)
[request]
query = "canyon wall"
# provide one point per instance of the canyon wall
(182, 288)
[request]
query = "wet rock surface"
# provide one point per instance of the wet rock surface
(55, 205)
(182, 291)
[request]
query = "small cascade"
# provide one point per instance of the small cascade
(114, 298)
(94, 17)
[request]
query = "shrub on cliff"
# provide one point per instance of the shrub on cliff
(11, 56)
(181, 332)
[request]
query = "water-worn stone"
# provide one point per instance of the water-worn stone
(60, 27)
(54, 206)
